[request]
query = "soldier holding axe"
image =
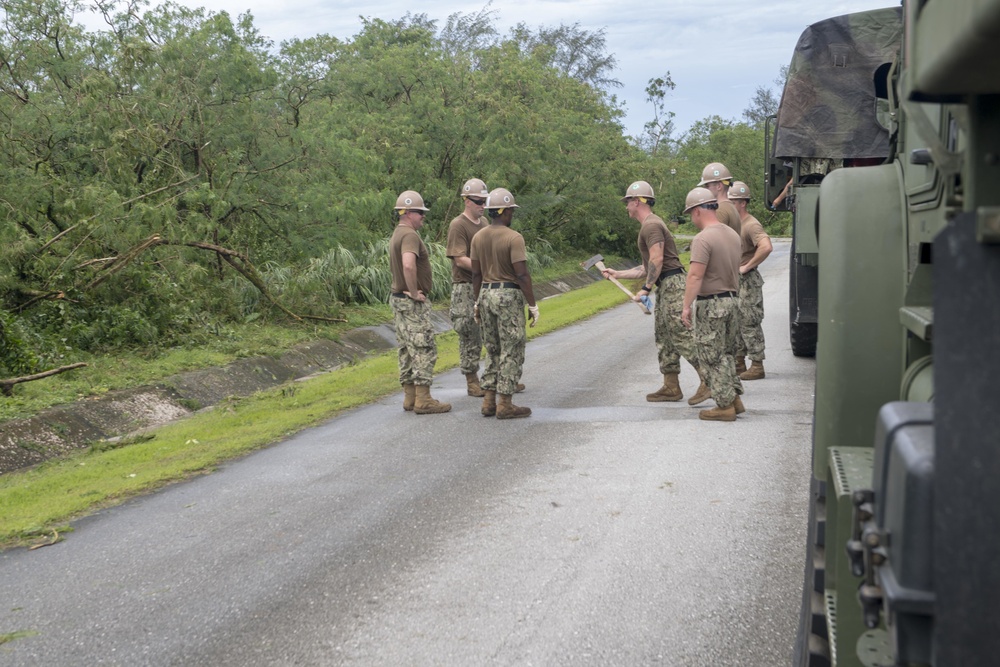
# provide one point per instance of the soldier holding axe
(661, 268)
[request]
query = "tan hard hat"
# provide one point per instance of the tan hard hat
(501, 198)
(697, 197)
(474, 188)
(410, 201)
(716, 171)
(739, 190)
(639, 189)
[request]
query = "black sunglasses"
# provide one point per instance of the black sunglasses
(477, 202)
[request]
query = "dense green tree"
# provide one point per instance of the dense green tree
(157, 169)
(658, 131)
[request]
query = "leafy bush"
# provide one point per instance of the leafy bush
(16, 355)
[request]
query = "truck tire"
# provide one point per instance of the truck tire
(812, 646)
(801, 334)
(803, 337)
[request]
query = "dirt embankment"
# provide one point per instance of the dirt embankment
(65, 428)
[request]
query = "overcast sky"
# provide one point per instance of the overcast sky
(716, 52)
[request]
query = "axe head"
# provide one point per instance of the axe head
(596, 259)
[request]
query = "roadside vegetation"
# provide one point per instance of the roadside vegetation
(174, 175)
(178, 192)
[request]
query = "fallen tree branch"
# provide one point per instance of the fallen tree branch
(7, 386)
(123, 260)
(41, 296)
(240, 262)
(234, 258)
(245, 268)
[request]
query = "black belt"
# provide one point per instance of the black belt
(400, 295)
(499, 285)
(720, 295)
(667, 274)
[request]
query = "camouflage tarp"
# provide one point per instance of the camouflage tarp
(828, 105)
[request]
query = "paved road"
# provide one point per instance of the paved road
(603, 530)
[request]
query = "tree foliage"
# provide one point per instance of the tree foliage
(132, 151)
(175, 169)
(658, 130)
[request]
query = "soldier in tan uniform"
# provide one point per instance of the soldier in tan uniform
(756, 247)
(460, 233)
(410, 264)
(713, 283)
(502, 285)
(661, 270)
(717, 179)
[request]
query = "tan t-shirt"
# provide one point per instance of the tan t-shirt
(728, 215)
(751, 233)
(654, 231)
(406, 239)
(718, 248)
(496, 248)
(460, 233)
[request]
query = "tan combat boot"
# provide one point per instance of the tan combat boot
(472, 385)
(409, 394)
(755, 372)
(738, 405)
(726, 414)
(425, 405)
(703, 393)
(520, 388)
(669, 392)
(741, 364)
(507, 410)
(489, 403)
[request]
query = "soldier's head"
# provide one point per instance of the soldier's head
(639, 199)
(410, 209)
(500, 205)
(474, 194)
(716, 178)
(739, 194)
(701, 204)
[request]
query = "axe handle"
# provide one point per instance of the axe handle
(642, 306)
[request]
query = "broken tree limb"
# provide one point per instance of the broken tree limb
(7, 386)
(240, 262)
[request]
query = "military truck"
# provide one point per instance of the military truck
(903, 551)
(833, 114)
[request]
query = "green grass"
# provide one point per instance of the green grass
(136, 368)
(11, 636)
(41, 500)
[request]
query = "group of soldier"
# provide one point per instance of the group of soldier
(711, 314)
(491, 285)
(723, 285)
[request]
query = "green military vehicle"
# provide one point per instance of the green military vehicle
(903, 550)
(833, 114)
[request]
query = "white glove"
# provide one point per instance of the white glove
(533, 313)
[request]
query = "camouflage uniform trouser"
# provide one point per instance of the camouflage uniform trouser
(673, 339)
(415, 338)
(751, 338)
(715, 335)
(470, 342)
(501, 312)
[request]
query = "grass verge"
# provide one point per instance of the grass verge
(38, 503)
(126, 369)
